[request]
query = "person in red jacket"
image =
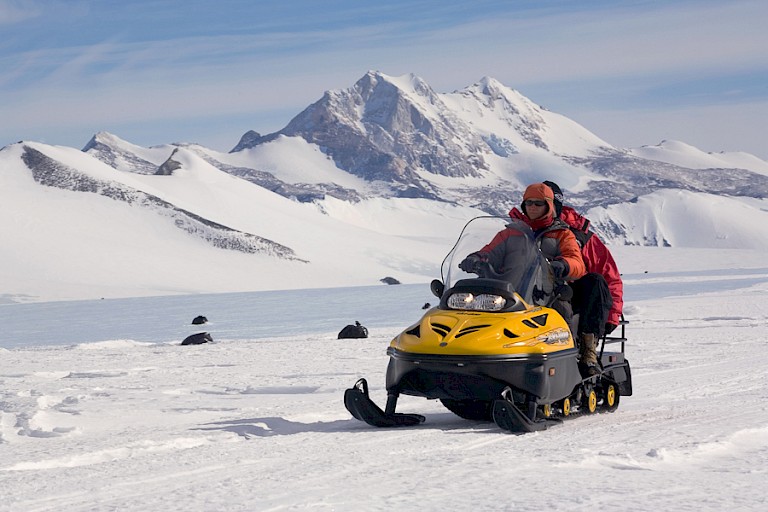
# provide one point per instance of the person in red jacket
(597, 257)
(556, 242)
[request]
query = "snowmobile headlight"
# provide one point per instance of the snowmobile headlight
(481, 302)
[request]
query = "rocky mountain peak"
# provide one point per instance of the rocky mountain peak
(170, 165)
(100, 139)
(118, 153)
(376, 83)
(247, 140)
(389, 129)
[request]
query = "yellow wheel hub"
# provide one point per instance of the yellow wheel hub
(591, 401)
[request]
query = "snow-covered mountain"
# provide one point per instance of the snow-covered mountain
(77, 224)
(377, 179)
(684, 155)
(481, 145)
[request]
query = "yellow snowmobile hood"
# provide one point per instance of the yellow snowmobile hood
(537, 330)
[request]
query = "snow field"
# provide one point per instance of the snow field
(258, 423)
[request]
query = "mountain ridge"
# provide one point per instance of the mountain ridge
(378, 179)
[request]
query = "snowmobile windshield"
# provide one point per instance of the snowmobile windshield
(516, 258)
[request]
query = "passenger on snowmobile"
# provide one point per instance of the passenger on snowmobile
(552, 235)
(597, 257)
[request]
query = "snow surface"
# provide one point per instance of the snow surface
(102, 409)
(294, 160)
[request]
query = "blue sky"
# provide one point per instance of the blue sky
(153, 72)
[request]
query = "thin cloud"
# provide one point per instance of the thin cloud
(617, 56)
(15, 12)
(567, 46)
(611, 42)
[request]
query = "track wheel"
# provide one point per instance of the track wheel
(546, 410)
(610, 398)
(589, 401)
(565, 406)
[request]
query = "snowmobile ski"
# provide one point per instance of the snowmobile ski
(360, 405)
(508, 416)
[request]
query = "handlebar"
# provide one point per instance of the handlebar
(485, 269)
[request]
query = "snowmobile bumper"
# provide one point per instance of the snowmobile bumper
(548, 377)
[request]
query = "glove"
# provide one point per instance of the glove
(559, 268)
(609, 328)
(471, 263)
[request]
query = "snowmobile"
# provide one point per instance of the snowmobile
(494, 349)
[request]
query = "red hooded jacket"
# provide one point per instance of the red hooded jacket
(597, 257)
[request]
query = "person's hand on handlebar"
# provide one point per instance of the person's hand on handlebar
(473, 263)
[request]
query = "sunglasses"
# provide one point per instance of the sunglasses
(534, 202)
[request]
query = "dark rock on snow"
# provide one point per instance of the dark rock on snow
(353, 331)
(197, 339)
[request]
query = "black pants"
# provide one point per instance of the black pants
(591, 301)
